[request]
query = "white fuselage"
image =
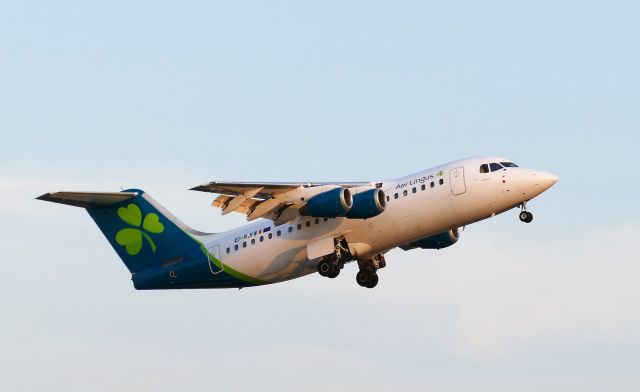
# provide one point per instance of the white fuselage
(418, 206)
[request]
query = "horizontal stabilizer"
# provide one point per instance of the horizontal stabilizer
(87, 199)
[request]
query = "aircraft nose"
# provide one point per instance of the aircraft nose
(544, 179)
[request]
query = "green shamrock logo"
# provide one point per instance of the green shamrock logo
(131, 238)
(440, 173)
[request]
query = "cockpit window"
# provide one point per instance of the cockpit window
(484, 168)
(495, 166)
(508, 164)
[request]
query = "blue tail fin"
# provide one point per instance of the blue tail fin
(142, 232)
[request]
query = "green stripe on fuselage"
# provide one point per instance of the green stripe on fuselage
(225, 268)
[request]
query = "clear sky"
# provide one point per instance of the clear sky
(167, 95)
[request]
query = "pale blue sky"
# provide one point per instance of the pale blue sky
(165, 96)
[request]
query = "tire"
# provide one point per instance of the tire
(362, 278)
(335, 271)
(529, 217)
(325, 268)
(373, 281)
(524, 215)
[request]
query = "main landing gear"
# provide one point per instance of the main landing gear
(367, 276)
(525, 216)
(331, 265)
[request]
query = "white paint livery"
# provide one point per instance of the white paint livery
(419, 205)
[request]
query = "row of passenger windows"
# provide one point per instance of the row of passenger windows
(487, 167)
(423, 187)
(269, 236)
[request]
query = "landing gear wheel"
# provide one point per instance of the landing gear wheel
(373, 281)
(335, 271)
(362, 278)
(367, 279)
(526, 216)
(326, 268)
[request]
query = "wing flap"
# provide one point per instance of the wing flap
(244, 207)
(263, 208)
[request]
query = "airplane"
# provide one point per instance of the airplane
(298, 228)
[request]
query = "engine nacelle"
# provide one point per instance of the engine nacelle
(437, 241)
(367, 204)
(330, 204)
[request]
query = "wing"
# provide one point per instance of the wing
(277, 201)
(266, 190)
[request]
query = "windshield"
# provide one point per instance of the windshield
(508, 164)
(495, 166)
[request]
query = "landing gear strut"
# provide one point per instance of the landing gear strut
(525, 216)
(331, 264)
(367, 276)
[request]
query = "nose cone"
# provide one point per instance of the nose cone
(544, 180)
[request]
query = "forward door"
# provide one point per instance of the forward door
(456, 178)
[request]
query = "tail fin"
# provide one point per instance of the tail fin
(141, 231)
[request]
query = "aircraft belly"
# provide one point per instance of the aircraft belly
(274, 263)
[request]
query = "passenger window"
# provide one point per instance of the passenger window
(414, 190)
(441, 181)
(244, 244)
(299, 226)
(432, 184)
(279, 233)
(235, 247)
(484, 168)
(404, 193)
(228, 250)
(308, 223)
(317, 221)
(495, 166)
(261, 238)
(395, 195)
(423, 187)
(290, 229)
(253, 241)
(388, 198)
(270, 236)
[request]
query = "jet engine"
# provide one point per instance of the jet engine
(367, 204)
(330, 204)
(437, 241)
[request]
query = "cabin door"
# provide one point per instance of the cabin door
(214, 260)
(456, 178)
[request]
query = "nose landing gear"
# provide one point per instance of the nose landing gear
(525, 216)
